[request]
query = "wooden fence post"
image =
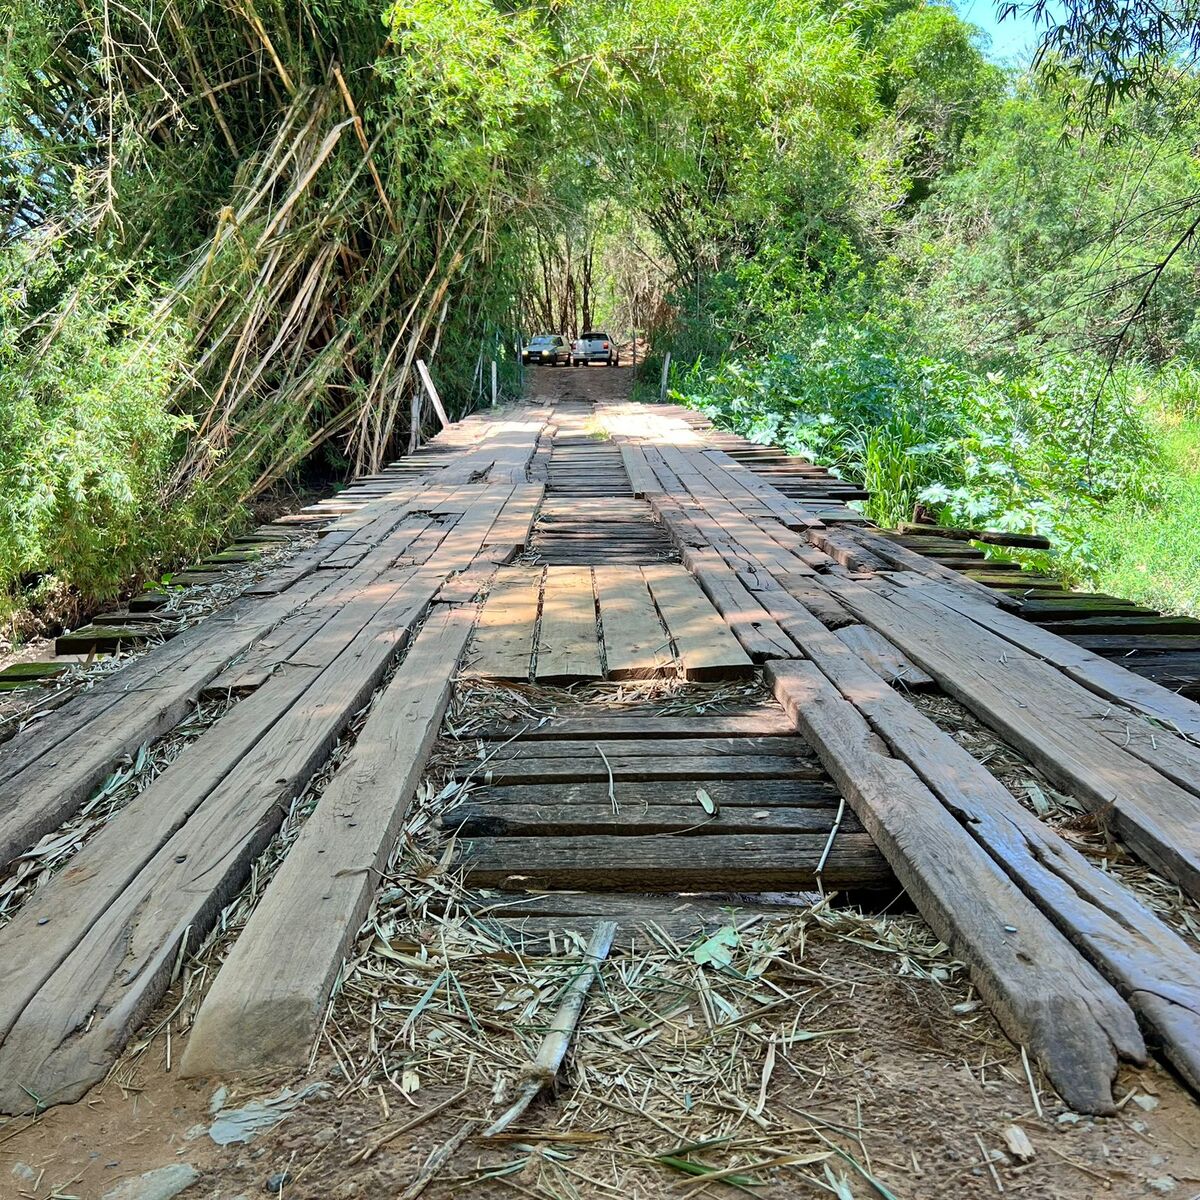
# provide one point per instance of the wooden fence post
(495, 385)
(662, 387)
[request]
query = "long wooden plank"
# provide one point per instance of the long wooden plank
(882, 657)
(482, 819)
(266, 1007)
(738, 861)
(704, 646)
(767, 721)
(1152, 966)
(1042, 992)
(644, 767)
(569, 637)
(503, 646)
(589, 749)
(1094, 672)
(635, 644)
(812, 791)
(1044, 715)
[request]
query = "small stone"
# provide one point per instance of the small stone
(275, 1183)
(1018, 1143)
(1146, 1103)
(1162, 1184)
(1069, 1118)
(24, 1171)
(161, 1184)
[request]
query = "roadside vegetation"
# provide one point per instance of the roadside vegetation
(229, 233)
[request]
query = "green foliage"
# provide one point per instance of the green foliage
(1029, 453)
(87, 442)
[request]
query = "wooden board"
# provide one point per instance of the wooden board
(1040, 989)
(1097, 674)
(1046, 716)
(883, 658)
(635, 644)
(503, 646)
(587, 748)
(767, 720)
(704, 647)
(569, 637)
(483, 819)
(642, 767)
(739, 861)
(811, 791)
(266, 1007)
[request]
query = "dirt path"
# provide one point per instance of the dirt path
(829, 1053)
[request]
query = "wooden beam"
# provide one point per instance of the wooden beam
(265, 1009)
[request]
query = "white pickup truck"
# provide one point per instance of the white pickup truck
(593, 346)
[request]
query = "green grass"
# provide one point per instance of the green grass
(1152, 555)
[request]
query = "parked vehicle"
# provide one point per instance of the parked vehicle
(594, 346)
(547, 349)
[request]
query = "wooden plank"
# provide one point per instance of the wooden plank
(635, 644)
(704, 647)
(883, 658)
(266, 1007)
(644, 767)
(814, 597)
(759, 636)
(515, 521)
(1097, 674)
(814, 791)
(503, 646)
(569, 636)
(647, 864)
(482, 819)
(1039, 711)
(642, 480)
(1042, 992)
(1153, 967)
(766, 721)
(432, 392)
(588, 748)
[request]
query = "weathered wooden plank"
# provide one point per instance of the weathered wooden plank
(1042, 992)
(589, 748)
(812, 791)
(503, 646)
(647, 864)
(704, 647)
(635, 644)
(642, 480)
(883, 658)
(642, 767)
(483, 819)
(1097, 674)
(569, 635)
(1152, 967)
(1038, 710)
(265, 1009)
(766, 721)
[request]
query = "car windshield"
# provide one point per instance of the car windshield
(544, 340)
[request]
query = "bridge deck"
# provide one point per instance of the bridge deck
(686, 667)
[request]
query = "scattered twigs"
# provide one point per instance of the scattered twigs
(369, 1152)
(553, 1049)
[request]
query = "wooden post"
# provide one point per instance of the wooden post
(662, 387)
(635, 352)
(432, 392)
(495, 385)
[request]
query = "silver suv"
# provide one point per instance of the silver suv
(593, 346)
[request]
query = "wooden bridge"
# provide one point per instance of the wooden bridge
(593, 544)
